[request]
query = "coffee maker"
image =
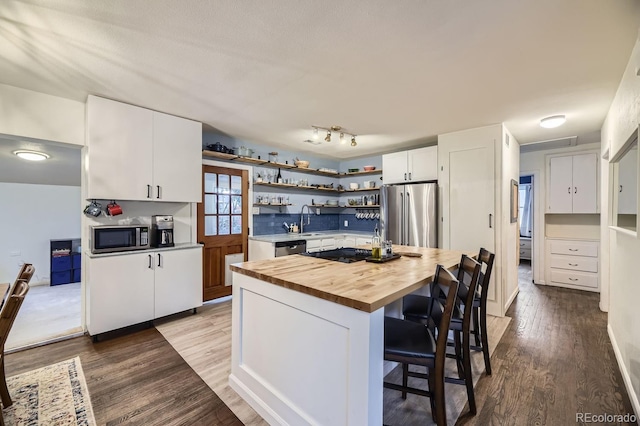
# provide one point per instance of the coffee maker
(162, 231)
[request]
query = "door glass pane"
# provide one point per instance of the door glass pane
(210, 182)
(236, 204)
(223, 225)
(223, 204)
(236, 185)
(223, 184)
(210, 225)
(210, 204)
(236, 224)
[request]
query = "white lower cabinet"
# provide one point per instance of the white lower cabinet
(573, 263)
(128, 289)
(321, 244)
(362, 241)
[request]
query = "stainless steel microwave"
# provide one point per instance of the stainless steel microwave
(114, 238)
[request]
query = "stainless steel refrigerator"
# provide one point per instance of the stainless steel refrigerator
(408, 214)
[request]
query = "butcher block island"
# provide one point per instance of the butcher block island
(307, 333)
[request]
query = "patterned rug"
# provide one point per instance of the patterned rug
(53, 395)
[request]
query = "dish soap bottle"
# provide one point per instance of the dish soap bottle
(376, 245)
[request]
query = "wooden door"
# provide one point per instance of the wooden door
(222, 225)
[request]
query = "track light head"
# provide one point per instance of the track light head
(328, 137)
(353, 141)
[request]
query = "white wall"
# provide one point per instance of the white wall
(623, 250)
(29, 114)
(30, 216)
(510, 231)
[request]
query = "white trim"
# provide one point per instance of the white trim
(623, 370)
(537, 239)
(255, 402)
(511, 299)
(629, 232)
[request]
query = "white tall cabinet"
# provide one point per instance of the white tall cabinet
(572, 184)
(416, 165)
(138, 154)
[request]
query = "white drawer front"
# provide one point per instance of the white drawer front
(574, 248)
(525, 244)
(574, 278)
(525, 253)
(313, 244)
(575, 263)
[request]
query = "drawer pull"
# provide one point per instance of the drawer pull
(521, 244)
(573, 279)
(573, 264)
(574, 249)
(521, 252)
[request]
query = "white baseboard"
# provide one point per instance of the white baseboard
(255, 402)
(625, 374)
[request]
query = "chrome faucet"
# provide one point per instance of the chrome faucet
(302, 217)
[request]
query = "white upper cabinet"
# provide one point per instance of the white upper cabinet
(138, 154)
(120, 140)
(177, 158)
(416, 165)
(628, 183)
(573, 183)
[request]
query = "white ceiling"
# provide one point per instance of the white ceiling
(395, 73)
(62, 168)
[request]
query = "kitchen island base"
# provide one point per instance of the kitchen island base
(298, 359)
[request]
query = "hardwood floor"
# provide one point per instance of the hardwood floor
(554, 360)
(136, 379)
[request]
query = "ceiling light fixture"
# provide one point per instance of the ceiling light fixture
(553, 121)
(31, 155)
(344, 134)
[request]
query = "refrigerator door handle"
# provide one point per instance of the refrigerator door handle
(402, 222)
(408, 232)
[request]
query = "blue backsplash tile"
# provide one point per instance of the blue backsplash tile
(267, 224)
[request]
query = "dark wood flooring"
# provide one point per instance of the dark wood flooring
(554, 360)
(136, 379)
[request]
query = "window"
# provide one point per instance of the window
(222, 204)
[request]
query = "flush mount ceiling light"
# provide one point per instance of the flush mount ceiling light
(344, 134)
(31, 155)
(553, 121)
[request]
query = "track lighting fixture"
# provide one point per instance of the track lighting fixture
(343, 134)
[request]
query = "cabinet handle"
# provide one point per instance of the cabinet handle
(521, 244)
(158, 197)
(573, 264)
(150, 261)
(569, 190)
(575, 189)
(405, 176)
(409, 175)
(573, 279)
(521, 252)
(620, 188)
(490, 220)
(148, 191)
(159, 260)
(573, 249)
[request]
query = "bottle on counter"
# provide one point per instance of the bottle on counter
(376, 245)
(279, 177)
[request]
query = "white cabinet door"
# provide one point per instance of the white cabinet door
(423, 164)
(177, 155)
(178, 281)
(394, 167)
(349, 242)
(120, 291)
(360, 241)
(328, 243)
(628, 183)
(119, 150)
(560, 185)
(585, 183)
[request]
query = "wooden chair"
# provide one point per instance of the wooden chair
(408, 342)
(421, 309)
(26, 273)
(7, 317)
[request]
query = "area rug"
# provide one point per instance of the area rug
(53, 395)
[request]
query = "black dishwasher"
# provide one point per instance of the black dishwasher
(285, 248)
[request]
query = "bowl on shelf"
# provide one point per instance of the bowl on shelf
(353, 170)
(354, 185)
(369, 184)
(369, 168)
(302, 163)
(332, 202)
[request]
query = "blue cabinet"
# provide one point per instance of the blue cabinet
(66, 261)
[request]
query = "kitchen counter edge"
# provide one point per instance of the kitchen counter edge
(179, 246)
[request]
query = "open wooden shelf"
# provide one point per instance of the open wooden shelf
(292, 167)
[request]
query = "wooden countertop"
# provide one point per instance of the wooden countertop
(361, 285)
